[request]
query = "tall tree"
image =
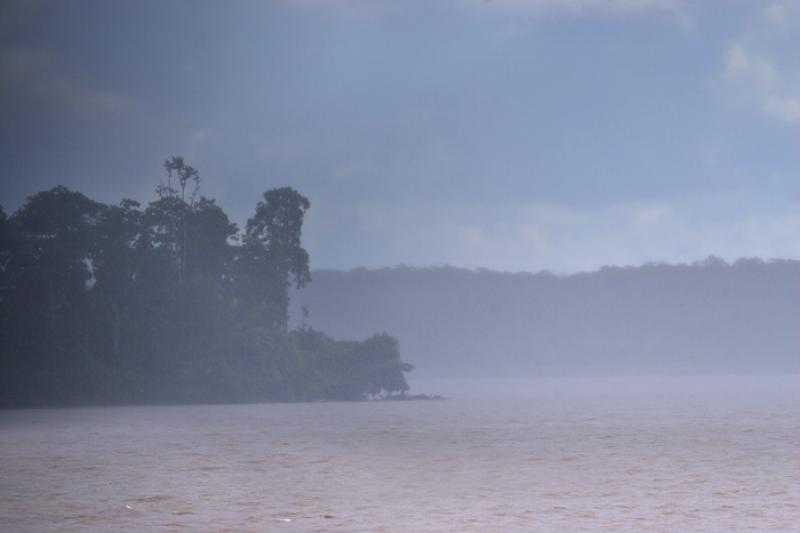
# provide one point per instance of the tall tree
(120, 250)
(7, 248)
(57, 227)
(272, 257)
(170, 214)
(47, 284)
(208, 242)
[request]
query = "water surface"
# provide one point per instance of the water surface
(634, 454)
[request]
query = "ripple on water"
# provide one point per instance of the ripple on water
(549, 463)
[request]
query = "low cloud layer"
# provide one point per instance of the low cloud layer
(560, 238)
(31, 79)
(511, 134)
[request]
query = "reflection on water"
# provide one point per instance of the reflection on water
(680, 454)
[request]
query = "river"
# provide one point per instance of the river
(601, 454)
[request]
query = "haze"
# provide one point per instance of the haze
(509, 135)
(409, 266)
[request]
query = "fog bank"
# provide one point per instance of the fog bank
(707, 317)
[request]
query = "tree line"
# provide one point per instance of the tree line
(168, 302)
(708, 316)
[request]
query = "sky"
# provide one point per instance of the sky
(508, 134)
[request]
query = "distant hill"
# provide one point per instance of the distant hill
(709, 316)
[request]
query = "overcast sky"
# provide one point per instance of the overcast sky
(514, 135)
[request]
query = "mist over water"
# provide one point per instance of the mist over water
(709, 317)
(741, 390)
(615, 454)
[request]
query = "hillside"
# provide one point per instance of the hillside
(709, 316)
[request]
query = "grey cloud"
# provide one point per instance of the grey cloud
(760, 66)
(562, 238)
(32, 82)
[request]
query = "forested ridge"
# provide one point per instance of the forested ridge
(710, 316)
(168, 303)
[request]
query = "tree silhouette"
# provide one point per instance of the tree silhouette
(272, 257)
(167, 303)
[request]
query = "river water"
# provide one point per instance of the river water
(635, 454)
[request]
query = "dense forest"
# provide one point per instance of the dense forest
(710, 316)
(170, 302)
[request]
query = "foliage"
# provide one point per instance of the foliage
(168, 303)
(272, 257)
